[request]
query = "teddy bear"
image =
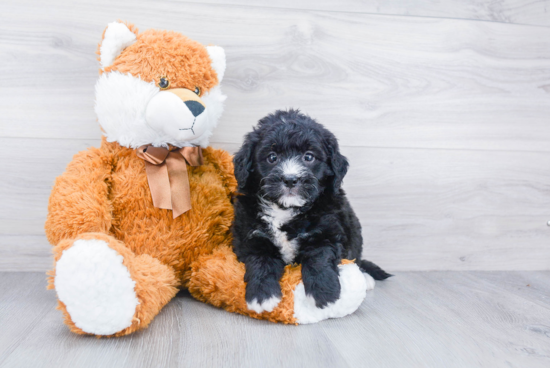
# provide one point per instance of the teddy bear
(149, 212)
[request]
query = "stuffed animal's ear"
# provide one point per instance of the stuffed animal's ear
(338, 164)
(217, 54)
(116, 38)
(244, 160)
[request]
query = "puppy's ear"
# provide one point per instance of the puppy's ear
(338, 165)
(244, 159)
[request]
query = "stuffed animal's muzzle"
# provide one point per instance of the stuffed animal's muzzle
(178, 112)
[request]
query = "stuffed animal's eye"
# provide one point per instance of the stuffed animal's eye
(164, 83)
(272, 158)
(308, 157)
(198, 91)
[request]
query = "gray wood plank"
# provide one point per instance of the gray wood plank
(30, 173)
(25, 252)
(24, 304)
(533, 286)
(187, 333)
(455, 210)
(448, 319)
(506, 11)
(428, 319)
(379, 81)
(421, 209)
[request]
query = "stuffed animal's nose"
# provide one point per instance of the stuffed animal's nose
(290, 180)
(195, 107)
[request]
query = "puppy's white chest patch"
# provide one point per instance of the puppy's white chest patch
(275, 217)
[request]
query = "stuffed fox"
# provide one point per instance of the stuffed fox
(149, 212)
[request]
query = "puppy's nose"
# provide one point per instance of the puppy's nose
(290, 180)
(195, 107)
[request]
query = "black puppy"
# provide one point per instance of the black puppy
(291, 209)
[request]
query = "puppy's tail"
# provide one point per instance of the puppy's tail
(376, 272)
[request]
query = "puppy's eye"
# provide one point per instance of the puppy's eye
(164, 83)
(308, 157)
(197, 91)
(272, 158)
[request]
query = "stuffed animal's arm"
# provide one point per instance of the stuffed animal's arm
(218, 279)
(224, 163)
(79, 202)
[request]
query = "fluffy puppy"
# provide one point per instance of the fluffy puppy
(292, 209)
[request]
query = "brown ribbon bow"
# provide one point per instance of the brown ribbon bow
(167, 175)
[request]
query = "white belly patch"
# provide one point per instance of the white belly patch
(275, 217)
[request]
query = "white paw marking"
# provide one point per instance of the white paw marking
(354, 285)
(95, 287)
(266, 306)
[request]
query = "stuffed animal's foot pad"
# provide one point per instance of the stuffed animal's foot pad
(96, 287)
(354, 285)
(369, 280)
(265, 306)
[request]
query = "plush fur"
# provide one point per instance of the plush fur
(85, 270)
(128, 125)
(133, 64)
(116, 38)
(157, 53)
(104, 195)
(103, 199)
(293, 210)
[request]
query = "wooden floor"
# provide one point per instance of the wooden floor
(416, 319)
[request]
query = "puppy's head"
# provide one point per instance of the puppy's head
(290, 159)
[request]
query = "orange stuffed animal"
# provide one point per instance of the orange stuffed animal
(149, 211)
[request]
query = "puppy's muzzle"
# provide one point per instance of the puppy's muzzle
(290, 181)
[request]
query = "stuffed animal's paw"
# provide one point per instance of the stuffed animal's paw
(105, 289)
(218, 279)
(353, 287)
(96, 287)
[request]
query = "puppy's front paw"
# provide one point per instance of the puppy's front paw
(265, 306)
(352, 293)
(263, 297)
(324, 287)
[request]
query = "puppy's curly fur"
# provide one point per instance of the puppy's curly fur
(292, 209)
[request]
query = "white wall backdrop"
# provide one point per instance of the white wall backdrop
(442, 107)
